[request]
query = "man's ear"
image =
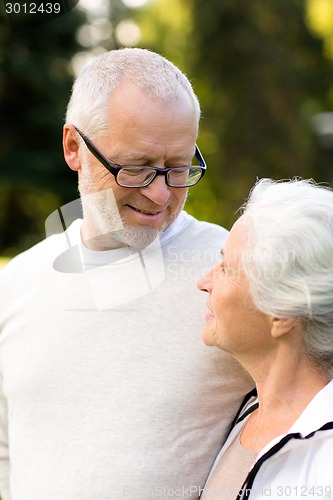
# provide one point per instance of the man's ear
(71, 147)
(281, 326)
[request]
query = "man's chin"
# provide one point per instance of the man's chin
(136, 237)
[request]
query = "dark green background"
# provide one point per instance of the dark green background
(260, 74)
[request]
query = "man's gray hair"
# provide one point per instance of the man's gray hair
(289, 258)
(153, 73)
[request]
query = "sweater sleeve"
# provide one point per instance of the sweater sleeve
(4, 450)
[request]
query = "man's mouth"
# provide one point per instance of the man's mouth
(145, 212)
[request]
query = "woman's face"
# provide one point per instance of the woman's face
(232, 321)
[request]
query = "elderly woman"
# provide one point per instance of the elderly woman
(270, 305)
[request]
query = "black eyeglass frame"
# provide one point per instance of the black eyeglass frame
(114, 170)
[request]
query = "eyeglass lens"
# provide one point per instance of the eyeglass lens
(178, 177)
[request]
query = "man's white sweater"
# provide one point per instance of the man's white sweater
(108, 394)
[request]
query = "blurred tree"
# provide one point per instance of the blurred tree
(320, 20)
(35, 82)
(167, 27)
(261, 75)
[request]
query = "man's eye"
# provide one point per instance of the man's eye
(180, 172)
(133, 171)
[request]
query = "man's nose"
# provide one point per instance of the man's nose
(157, 191)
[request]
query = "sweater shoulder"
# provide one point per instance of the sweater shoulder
(31, 262)
(202, 232)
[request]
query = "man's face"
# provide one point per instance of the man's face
(141, 131)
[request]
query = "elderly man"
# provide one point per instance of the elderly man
(106, 389)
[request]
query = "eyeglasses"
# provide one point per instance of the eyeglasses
(136, 176)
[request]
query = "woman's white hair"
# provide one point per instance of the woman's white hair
(289, 258)
(158, 77)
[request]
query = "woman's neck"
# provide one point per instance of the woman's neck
(285, 387)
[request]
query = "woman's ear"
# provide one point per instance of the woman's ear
(71, 147)
(281, 326)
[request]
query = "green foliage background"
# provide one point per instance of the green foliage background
(260, 71)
